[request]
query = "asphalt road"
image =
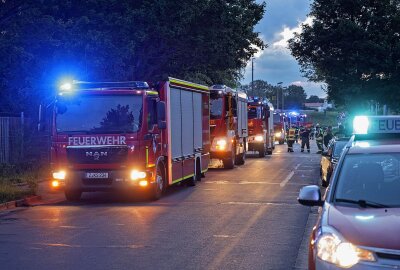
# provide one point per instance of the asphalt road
(245, 218)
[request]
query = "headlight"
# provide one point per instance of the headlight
(343, 254)
(259, 138)
(135, 175)
(221, 144)
(278, 134)
(59, 175)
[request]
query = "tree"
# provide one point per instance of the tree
(295, 96)
(314, 99)
(353, 46)
(203, 41)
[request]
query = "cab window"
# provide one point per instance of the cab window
(152, 115)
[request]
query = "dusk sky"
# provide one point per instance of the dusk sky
(275, 64)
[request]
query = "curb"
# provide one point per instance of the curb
(28, 201)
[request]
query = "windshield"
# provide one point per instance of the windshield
(339, 145)
(216, 108)
(254, 112)
(100, 114)
(373, 177)
(277, 118)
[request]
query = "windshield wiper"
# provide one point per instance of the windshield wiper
(363, 203)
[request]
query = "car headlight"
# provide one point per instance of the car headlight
(59, 175)
(135, 175)
(332, 249)
(278, 134)
(221, 144)
(259, 138)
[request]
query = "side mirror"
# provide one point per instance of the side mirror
(161, 115)
(310, 196)
(42, 119)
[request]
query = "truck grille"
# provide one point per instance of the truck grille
(97, 155)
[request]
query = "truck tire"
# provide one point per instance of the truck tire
(229, 163)
(73, 195)
(159, 187)
(281, 141)
(261, 151)
(198, 170)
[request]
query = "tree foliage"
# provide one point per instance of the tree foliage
(353, 46)
(199, 40)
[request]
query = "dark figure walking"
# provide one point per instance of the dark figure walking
(305, 139)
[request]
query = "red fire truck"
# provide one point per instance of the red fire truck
(228, 125)
(129, 136)
(261, 127)
(280, 126)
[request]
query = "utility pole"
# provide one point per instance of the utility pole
(252, 75)
(283, 97)
(279, 84)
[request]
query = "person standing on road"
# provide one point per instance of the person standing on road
(328, 136)
(291, 137)
(305, 139)
(297, 133)
(319, 137)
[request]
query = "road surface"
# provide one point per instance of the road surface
(245, 218)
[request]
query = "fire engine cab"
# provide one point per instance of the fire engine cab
(261, 126)
(128, 136)
(228, 125)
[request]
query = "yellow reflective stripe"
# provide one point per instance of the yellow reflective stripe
(180, 179)
(206, 170)
(151, 165)
(195, 85)
(152, 92)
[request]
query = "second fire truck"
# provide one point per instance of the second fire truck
(228, 125)
(261, 126)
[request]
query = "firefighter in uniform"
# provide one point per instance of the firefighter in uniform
(319, 138)
(305, 139)
(291, 137)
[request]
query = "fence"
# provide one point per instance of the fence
(20, 142)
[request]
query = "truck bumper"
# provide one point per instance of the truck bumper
(117, 180)
(253, 146)
(220, 155)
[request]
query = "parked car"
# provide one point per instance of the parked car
(330, 158)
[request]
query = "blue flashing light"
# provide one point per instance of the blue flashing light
(66, 86)
(360, 124)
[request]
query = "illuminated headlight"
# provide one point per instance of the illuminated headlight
(343, 254)
(278, 134)
(60, 175)
(221, 144)
(259, 138)
(135, 175)
(360, 125)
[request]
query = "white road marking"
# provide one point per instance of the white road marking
(284, 182)
(297, 166)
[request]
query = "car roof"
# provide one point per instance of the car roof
(374, 146)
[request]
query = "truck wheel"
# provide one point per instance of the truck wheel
(261, 151)
(241, 158)
(73, 195)
(159, 187)
(198, 170)
(269, 152)
(281, 141)
(229, 163)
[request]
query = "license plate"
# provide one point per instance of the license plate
(97, 175)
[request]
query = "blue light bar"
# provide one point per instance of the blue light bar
(387, 124)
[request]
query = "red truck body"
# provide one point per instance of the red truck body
(127, 136)
(228, 125)
(280, 126)
(261, 127)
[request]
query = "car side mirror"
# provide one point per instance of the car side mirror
(310, 196)
(161, 115)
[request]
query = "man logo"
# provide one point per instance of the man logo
(96, 155)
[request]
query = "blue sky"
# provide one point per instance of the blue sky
(275, 64)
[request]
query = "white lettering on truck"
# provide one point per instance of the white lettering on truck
(97, 140)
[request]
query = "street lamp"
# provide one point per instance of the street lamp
(279, 84)
(283, 97)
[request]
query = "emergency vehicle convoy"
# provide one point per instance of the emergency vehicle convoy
(280, 126)
(129, 136)
(261, 126)
(358, 225)
(228, 125)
